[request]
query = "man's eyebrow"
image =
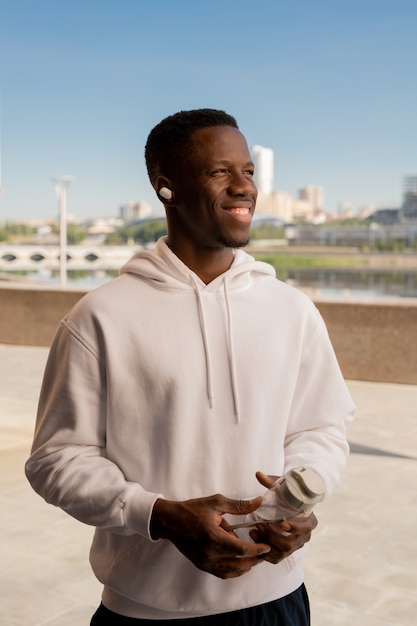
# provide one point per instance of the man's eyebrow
(227, 162)
(221, 162)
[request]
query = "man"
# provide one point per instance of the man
(167, 389)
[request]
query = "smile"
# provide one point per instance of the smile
(238, 210)
(240, 214)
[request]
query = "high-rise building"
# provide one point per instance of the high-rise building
(409, 207)
(410, 184)
(313, 195)
(264, 168)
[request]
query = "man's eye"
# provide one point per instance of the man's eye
(249, 173)
(220, 170)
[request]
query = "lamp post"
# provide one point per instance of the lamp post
(61, 186)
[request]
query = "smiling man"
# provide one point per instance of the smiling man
(170, 387)
(213, 194)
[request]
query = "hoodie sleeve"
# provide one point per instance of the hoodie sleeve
(67, 465)
(321, 410)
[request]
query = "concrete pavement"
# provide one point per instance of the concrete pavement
(362, 565)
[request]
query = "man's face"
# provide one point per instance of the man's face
(214, 191)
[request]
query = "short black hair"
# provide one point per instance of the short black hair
(167, 141)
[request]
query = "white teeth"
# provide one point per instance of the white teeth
(240, 211)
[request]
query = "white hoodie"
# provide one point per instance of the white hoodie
(158, 385)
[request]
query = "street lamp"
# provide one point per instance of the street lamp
(61, 186)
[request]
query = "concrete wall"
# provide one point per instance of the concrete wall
(29, 317)
(376, 342)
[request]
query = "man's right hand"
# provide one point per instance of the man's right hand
(197, 528)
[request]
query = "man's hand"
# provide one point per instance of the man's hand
(197, 528)
(285, 537)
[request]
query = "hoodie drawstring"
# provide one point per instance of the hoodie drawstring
(205, 343)
(231, 353)
(230, 348)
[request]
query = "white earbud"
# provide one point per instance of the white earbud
(165, 193)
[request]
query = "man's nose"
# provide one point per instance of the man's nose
(241, 185)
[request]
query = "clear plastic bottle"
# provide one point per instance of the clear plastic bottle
(293, 495)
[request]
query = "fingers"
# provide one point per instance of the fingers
(282, 543)
(236, 507)
(265, 479)
(236, 547)
(226, 556)
(197, 529)
(284, 538)
(304, 524)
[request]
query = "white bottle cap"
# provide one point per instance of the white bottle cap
(302, 488)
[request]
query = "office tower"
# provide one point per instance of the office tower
(410, 184)
(409, 206)
(264, 168)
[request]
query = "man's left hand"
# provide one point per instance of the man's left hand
(285, 537)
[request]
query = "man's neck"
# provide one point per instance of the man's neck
(207, 263)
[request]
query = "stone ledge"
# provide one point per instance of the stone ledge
(373, 342)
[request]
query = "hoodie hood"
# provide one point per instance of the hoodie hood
(164, 270)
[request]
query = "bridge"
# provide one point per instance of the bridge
(79, 257)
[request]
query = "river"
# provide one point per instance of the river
(318, 284)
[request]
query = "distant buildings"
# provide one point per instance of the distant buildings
(135, 211)
(407, 213)
(386, 216)
(276, 204)
(409, 207)
(313, 196)
(410, 184)
(308, 206)
(280, 204)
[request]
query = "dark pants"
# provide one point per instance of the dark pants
(292, 610)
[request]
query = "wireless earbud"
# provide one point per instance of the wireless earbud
(165, 193)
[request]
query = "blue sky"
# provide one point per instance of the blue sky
(331, 87)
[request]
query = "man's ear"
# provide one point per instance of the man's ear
(164, 189)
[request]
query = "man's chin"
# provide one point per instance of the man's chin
(234, 243)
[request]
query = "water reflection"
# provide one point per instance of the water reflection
(82, 279)
(353, 284)
(334, 284)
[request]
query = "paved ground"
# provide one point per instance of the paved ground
(362, 566)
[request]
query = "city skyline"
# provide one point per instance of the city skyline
(330, 89)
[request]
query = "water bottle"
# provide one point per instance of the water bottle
(293, 495)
